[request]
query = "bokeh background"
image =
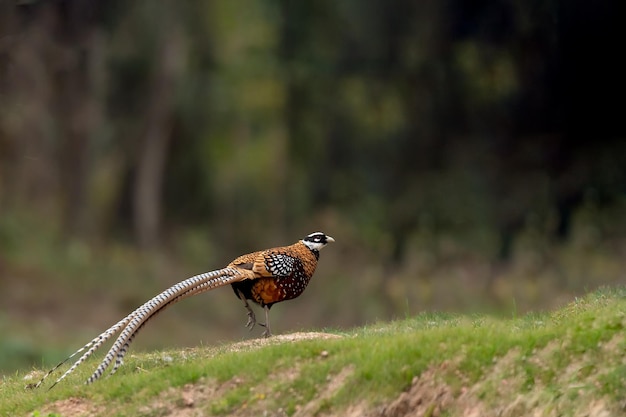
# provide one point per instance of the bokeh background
(466, 156)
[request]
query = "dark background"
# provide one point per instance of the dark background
(466, 157)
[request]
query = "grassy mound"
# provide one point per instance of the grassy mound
(568, 362)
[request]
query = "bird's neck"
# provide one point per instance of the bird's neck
(314, 251)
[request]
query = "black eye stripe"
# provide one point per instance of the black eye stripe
(317, 237)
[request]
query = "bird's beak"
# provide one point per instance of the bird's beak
(329, 239)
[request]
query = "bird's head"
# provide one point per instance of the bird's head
(316, 241)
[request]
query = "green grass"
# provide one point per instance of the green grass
(565, 361)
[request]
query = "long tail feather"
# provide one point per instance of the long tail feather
(213, 280)
(206, 286)
(101, 338)
(132, 323)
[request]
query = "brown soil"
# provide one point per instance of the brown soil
(72, 407)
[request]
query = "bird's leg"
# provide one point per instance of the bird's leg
(251, 317)
(267, 332)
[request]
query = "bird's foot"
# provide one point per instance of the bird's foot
(252, 321)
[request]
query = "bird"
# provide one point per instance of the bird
(264, 277)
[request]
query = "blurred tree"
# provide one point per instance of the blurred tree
(76, 105)
(52, 82)
(157, 131)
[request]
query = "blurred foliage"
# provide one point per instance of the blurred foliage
(463, 155)
(248, 119)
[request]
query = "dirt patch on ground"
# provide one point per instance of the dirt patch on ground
(283, 338)
(335, 383)
(72, 407)
(188, 400)
(427, 396)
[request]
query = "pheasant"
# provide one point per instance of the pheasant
(265, 277)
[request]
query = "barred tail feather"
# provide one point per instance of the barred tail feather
(206, 286)
(132, 323)
(98, 340)
(212, 280)
(101, 340)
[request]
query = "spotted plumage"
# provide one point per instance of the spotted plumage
(265, 277)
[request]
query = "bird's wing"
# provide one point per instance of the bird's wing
(276, 265)
(271, 263)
